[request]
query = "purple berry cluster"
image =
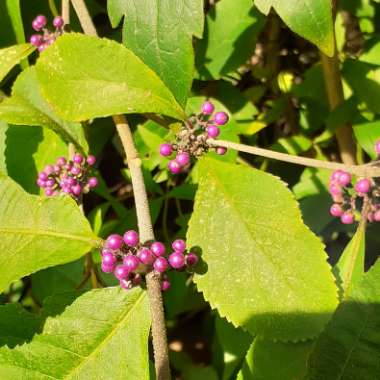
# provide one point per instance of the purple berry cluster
(46, 37)
(68, 177)
(349, 197)
(129, 260)
(191, 140)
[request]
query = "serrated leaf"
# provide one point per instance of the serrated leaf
(26, 106)
(227, 45)
(38, 232)
(265, 270)
(350, 266)
(11, 56)
(115, 80)
(17, 325)
(83, 339)
(160, 33)
(275, 360)
(349, 348)
(311, 19)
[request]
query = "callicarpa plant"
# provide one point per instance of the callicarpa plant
(189, 190)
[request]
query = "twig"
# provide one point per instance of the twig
(65, 11)
(160, 346)
(53, 8)
(368, 170)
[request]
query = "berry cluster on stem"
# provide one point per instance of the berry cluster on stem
(71, 177)
(191, 140)
(129, 260)
(349, 198)
(47, 37)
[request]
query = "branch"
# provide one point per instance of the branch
(65, 11)
(160, 346)
(369, 170)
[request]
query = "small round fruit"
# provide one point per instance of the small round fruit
(158, 248)
(160, 265)
(131, 238)
(207, 108)
(114, 242)
(177, 260)
(221, 118)
(166, 149)
(179, 245)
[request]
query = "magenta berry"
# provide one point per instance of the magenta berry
(76, 170)
(78, 158)
(76, 190)
(49, 192)
(363, 186)
(213, 131)
(166, 149)
(183, 158)
(191, 259)
(160, 264)
(177, 260)
(336, 210)
(108, 259)
(335, 189)
(131, 262)
(43, 176)
(179, 245)
(41, 182)
(376, 216)
(146, 256)
(61, 161)
(39, 23)
(131, 238)
(221, 150)
(174, 167)
(158, 248)
(58, 22)
(36, 40)
(107, 268)
(121, 272)
(344, 179)
(347, 218)
(92, 182)
(91, 160)
(207, 108)
(114, 242)
(165, 285)
(221, 118)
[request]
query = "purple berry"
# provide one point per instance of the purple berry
(108, 268)
(221, 150)
(174, 167)
(336, 210)
(61, 161)
(131, 262)
(335, 189)
(49, 169)
(121, 272)
(221, 118)
(91, 160)
(92, 182)
(165, 285)
(179, 245)
(377, 147)
(49, 192)
(58, 22)
(344, 179)
(78, 158)
(76, 190)
(41, 48)
(41, 182)
(336, 174)
(207, 108)
(108, 259)
(347, 218)
(158, 248)
(146, 256)
(191, 259)
(36, 40)
(376, 216)
(43, 176)
(166, 149)
(71, 181)
(183, 158)
(131, 238)
(160, 265)
(75, 170)
(39, 22)
(57, 169)
(114, 241)
(213, 131)
(363, 186)
(50, 183)
(177, 260)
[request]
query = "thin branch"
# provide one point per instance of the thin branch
(160, 346)
(369, 170)
(65, 11)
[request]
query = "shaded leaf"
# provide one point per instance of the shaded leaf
(11, 56)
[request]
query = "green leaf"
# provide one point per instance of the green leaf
(367, 134)
(16, 324)
(40, 146)
(26, 106)
(83, 339)
(37, 232)
(160, 33)
(227, 45)
(264, 270)
(349, 348)
(350, 266)
(275, 360)
(114, 81)
(311, 19)
(11, 56)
